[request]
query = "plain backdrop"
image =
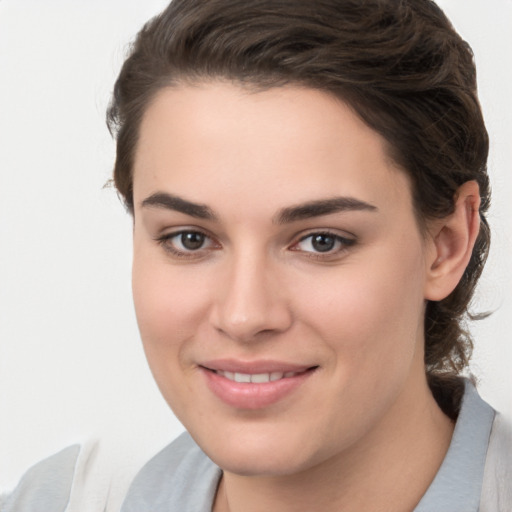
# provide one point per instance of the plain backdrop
(71, 363)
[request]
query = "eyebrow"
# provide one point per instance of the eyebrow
(178, 204)
(322, 207)
(302, 211)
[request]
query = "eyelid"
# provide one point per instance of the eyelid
(346, 241)
(164, 240)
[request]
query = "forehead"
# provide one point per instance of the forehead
(219, 141)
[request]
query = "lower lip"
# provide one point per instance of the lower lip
(251, 396)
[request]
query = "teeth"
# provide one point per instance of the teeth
(242, 377)
(257, 378)
(260, 377)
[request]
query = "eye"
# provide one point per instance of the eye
(186, 243)
(189, 240)
(322, 243)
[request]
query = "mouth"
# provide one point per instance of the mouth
(258, 378)
(257, 385)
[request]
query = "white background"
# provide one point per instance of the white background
(71, 364)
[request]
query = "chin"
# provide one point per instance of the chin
(260, 453)
(271, 465)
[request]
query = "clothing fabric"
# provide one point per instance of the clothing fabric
(475, 476)
(86, 477)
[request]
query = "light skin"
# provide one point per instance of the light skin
(272, 226)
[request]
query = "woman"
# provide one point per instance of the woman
(309, 191)
(308, 187)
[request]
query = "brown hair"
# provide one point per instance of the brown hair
(398, 63)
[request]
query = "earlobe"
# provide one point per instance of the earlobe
(452, 242)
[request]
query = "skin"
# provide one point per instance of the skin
(363, 431)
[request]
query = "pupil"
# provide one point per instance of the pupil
(192, 241)
(323, 243)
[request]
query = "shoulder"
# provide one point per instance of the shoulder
(180, 477)
(496, 489)
(80, 478)
(47, 485)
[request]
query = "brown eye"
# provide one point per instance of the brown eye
(187, 243)
(192, 240)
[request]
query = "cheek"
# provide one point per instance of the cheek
(370, 313)
(168, 304)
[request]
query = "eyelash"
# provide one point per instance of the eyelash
(166, 242)
(343, 244)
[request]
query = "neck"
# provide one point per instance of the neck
(389, 470)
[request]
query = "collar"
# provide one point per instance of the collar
(458, 483)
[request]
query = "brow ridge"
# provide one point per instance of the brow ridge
(321, 207)
(171, 202)
(310, 209)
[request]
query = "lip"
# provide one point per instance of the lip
(262, 366)
(253, 396)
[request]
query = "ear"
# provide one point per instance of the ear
(451, 243)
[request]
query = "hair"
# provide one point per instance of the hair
(399, 64)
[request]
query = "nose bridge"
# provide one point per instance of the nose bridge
(250, 302)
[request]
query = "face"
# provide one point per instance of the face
(278, 274)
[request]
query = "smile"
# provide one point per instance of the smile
(253, 386)
(255, 378)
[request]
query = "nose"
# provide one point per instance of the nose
(251, 301)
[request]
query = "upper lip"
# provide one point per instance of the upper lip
(254, 367)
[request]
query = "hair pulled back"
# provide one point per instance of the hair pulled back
(398, 63)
